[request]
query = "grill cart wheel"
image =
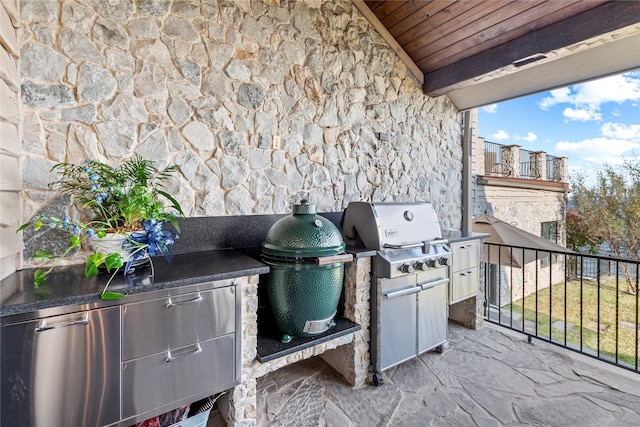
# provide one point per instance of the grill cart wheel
(377, 379)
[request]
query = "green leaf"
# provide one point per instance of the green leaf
(39, 277)
(111, 295)
(23, 226)
(113, 260)
(101, 234)
(75, 241)
(38, 225)
(96, 258)
(91, 269)
(42, 255)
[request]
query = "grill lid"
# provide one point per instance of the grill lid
(303, 234)
(390, 225)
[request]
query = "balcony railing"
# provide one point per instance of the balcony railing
(528, 164)
(585, 303)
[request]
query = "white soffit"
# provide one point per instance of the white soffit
(610, 54)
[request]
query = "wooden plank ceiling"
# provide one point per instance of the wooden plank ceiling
(453, 42)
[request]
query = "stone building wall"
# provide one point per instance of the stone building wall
(197, 82)
(10, 128)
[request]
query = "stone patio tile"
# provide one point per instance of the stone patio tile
(497, 403)
(440, 369)
(412, 374)
(540, 376)
(471, 384)
(423, 408)
(567, 411)
(334, 416)
(305, 405)
(567, 388)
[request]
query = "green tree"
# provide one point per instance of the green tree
(608, 213)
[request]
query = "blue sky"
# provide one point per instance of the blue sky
(591, 123)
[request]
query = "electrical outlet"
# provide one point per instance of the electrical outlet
(276, 142)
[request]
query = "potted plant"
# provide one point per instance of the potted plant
(126, 208)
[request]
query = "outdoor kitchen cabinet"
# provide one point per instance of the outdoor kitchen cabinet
(465, 281)
(62, 370)
(124, 363)
(177, 348)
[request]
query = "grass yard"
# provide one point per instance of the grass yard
(592, 324)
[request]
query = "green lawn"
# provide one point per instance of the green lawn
(585, 321)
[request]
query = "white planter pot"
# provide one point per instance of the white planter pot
(112, 243)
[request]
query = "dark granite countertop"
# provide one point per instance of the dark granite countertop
(455, 236)
(360, 252)
(68, 286)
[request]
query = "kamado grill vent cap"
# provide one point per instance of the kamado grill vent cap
(303, 234)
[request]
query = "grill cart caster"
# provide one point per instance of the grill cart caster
(377, 379)
(441, 348)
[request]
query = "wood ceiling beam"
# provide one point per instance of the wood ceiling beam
(592, 23)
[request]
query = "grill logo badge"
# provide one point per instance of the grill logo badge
(392, 232)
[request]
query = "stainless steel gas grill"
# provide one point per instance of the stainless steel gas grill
(409, 278)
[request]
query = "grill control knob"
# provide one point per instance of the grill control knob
(420, 265)
(432, 263)
(444, 261)
(406, 268)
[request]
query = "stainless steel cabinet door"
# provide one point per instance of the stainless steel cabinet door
(397, 328)
(62, 370)
(432, 316)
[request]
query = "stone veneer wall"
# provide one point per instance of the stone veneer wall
(196, 82)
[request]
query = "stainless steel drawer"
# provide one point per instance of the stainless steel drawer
(464, 284)
(153, 381)
(157, 325)
(465, 255)
(62, 370)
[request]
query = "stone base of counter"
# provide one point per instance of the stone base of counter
(348, 354)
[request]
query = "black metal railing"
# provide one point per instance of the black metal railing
(585, 303)
(551, 168)
(492, 158)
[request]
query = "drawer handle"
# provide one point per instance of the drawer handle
(170, 303)
(465, 273)
(410, 291)
(197, 349)
(43, 327)
(433, 283)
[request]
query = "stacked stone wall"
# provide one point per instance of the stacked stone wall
(196, 83)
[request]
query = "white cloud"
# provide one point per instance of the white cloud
(621, 131)
(530, 137)
(586, 98)
(581, 114)
(596, 150)
(558, 96)
(500, 135)
(491, 108)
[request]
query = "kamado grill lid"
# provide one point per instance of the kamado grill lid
(303, 234)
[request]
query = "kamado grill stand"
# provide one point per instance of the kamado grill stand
(305, 254)
(410, 276)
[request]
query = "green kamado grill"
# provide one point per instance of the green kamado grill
(305, 254)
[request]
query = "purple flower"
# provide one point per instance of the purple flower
(91, 232)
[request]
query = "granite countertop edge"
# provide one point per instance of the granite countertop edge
(185, 270)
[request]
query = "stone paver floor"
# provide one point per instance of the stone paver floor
(489, 377)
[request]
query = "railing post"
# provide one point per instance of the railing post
(538, 164)
(560, 169)
(511, 160)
